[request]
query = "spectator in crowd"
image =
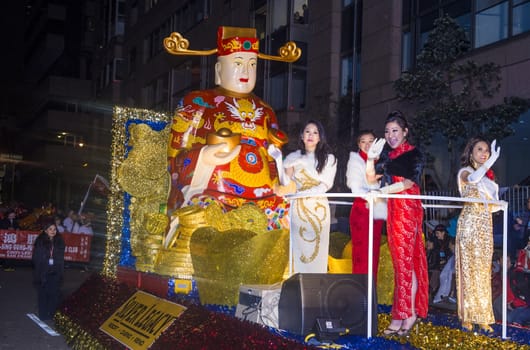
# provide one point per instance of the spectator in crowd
(298, 18)
(58, 223)
(525, 221)
(518, 309)
(452, 220)
(442, 241)
(48, 269)
(433, 264)
(69, 221)
(447, 283)
(521, 273)
(10, 222)
(519, 233)
(86, 225)
(305, 14)
(474, 237)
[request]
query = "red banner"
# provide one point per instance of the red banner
(19, 245)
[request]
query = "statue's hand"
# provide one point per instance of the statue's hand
(215, 155)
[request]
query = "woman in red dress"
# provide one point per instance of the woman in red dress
(402, 166)
(357, 181)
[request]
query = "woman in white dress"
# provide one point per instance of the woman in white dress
(312, 168)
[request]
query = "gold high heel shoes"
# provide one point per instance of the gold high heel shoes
(486, 328)
(467, 326)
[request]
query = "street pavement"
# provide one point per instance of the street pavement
(18, 298)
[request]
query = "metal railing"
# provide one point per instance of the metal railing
(434, 202)
(516, 197)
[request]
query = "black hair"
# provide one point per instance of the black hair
(398, 117)
(323, 148)
(362, 133)
(465, 159)
(46, 225)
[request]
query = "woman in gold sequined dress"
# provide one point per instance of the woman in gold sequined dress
(474, 238)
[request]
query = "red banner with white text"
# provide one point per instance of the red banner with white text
(19, 245)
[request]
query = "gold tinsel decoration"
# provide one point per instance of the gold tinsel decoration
(223, 261)
(385, 275)
(244, 253)
(429, 336)
(115, 207)
(74, 335)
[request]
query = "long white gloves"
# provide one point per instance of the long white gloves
(376, 148)
(481, 171)
(394, 188)
(373, 153)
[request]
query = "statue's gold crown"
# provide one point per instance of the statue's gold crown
(230, 40)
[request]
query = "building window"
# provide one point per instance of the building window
(300, 12)
(346, 79)
(149, 4)
(148, 95)
(521, 17)
(132, 60)
(491, 24)
(279, 14)
(298, 89)
(406, 48)
(461, 12)
(484, 21)
(118, 69)
(279, 92)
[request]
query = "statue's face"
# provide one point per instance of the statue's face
(237, 72)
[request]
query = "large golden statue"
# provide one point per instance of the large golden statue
(219, 137)
(225, 216)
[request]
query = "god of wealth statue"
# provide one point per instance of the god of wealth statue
(219, 138)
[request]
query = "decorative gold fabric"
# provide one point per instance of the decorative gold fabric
(385, 275)
(224, 260)
(473, 259)
(125, 132)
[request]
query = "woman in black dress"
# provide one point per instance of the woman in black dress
(48, 270)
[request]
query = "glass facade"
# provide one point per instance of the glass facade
(491, 24)
(284, 86)
(521, 17)
(484, 21)
(350, 65)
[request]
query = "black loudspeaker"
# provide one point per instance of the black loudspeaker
(305, 297)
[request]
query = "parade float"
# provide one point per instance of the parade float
(193, 216)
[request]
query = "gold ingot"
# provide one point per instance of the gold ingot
(158, 240)
(191, 209)
(277, 137)
(224, 135)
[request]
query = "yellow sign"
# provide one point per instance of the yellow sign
(141, 320)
